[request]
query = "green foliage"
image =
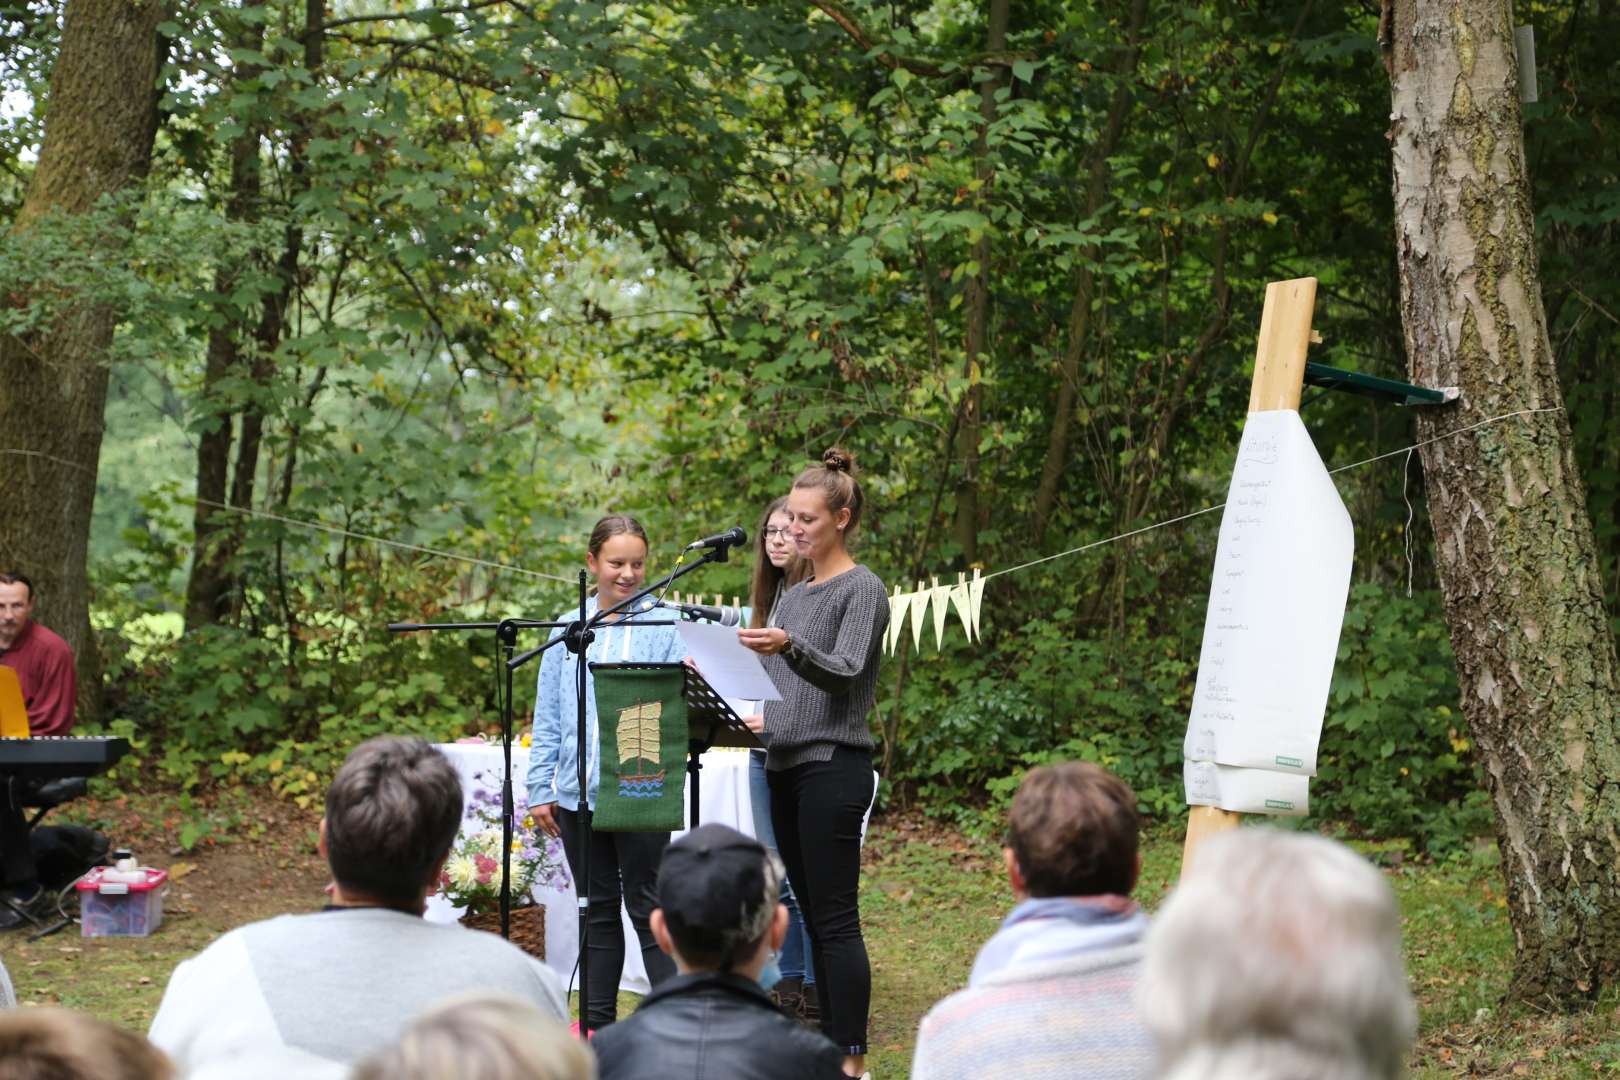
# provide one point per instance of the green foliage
(464, 278)
(1393, 762)
(222, 705)
(1395, 756)
(1119, 701)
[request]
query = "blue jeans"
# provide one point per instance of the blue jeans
(795, 961)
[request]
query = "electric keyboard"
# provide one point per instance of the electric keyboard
(56, 756)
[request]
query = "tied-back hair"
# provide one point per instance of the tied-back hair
(767, 577)
(482, 1037)
(614, 525)
(835, 479)
(392, 813)
(1278, 956)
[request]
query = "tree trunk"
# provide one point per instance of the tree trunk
(210, 587)
(53, 383)
(1517, 562)
(1068, 383)
(978, 303)
(279, 306)
(213, 593)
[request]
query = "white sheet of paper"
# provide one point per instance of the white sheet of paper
(1246, 791)
(733, 671)
(1276, 605)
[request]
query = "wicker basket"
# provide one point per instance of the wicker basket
(528, 927)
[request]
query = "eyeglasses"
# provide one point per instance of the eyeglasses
(776, 533)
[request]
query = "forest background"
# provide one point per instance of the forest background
(468, 276)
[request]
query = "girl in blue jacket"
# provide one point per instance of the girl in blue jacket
(624, 865)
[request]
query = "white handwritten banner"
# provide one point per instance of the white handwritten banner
(1276, 604)
(1246, 791)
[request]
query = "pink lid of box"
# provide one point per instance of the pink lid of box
(92, 882)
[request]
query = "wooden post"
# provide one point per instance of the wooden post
(1279, 377)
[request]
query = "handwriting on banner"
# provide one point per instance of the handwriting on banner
(1276, 604)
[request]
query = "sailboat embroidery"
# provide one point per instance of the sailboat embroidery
(639, 748)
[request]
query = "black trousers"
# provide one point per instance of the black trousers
(16, 856)
(624, 867)
(817, 809)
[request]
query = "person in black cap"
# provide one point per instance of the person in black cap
(718, 916)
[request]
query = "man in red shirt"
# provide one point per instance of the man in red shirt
(42, 660)
(44, 666)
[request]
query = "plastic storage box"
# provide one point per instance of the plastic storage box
(114, 903)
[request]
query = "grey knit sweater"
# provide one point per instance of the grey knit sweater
(828, 675)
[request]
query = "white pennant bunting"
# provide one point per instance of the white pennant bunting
(963, 603)
(976, 601)
(939, 597)
(899, 602)
(919, 607)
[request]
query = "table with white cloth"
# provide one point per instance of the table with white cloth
(723, 798)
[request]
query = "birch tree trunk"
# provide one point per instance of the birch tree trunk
(1516, 556)
(53, 382)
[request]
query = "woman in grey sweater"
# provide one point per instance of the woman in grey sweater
(822, 654)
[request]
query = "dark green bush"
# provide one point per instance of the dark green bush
(1394, 758)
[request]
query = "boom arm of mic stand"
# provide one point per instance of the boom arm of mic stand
(711, 556)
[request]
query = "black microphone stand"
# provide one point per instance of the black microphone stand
(506, 632)
(577, 636)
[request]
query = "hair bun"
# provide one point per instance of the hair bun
(838, 459)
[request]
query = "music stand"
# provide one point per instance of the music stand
(710, 722)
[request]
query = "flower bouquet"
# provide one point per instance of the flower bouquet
(472, 873)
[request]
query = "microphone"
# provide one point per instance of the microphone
(732, 537)
(725, 616)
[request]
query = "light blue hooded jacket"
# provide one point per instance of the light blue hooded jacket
(554, 746)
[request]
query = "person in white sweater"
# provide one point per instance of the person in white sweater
(307, 995)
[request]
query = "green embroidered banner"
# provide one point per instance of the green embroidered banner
(642, 717)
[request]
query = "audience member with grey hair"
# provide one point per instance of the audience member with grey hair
(718, 916)
(482, 1037)
(1278, 957)
(307, 995)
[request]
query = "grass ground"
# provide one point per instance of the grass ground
(930, 899)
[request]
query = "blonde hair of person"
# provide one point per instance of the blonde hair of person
(60, 1044)
(482, 1037)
